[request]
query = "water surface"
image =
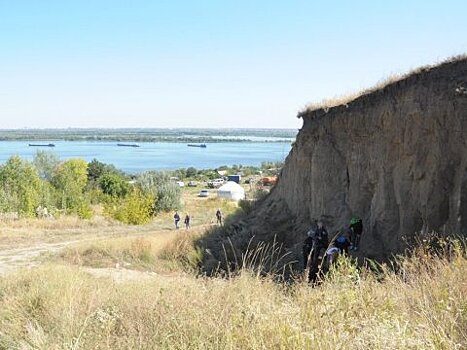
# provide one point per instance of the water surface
(155, 156)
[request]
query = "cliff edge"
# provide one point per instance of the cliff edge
(395, 156)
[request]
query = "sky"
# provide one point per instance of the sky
(233, 64)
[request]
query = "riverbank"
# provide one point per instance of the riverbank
(151, 135)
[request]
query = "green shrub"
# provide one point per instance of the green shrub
(158, 184)
(191, 172)
(246, 205)
(96, 170)
(114, 185)
(83, 210)
(70, 179)
(45, 163)
(168, 197)
(135, 209)
(20, 187)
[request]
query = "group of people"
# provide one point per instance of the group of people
(318, 253)
(187, 221)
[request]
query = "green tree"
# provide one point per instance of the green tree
(70, 179)
(148, 181)
(114, 185)
(166, 193)
(97, 169)
(168, 197)
(135, 209)
(45, 163)
(191, 172)
(20, 190)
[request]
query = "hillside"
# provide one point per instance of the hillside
(395, 155)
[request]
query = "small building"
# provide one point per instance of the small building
(231, 191)
(234, 178)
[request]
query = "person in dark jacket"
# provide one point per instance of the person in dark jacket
(339, 246)
(356, 227)
(314, 249)
(342, 242)
(321, 235)
(219, 216)
(307, 246)
(187, 221)
(176, 219)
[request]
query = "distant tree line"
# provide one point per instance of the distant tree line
(148, 135)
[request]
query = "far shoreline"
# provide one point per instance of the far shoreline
(182, 135)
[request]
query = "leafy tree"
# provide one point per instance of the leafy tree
(148, 181)
(20, 190)
(45, 163)
(97, 169)
(114, 185)
(135, 209)
(180, 173)
(168, 197)
(70, 179)
(166, 193)
(191, 172)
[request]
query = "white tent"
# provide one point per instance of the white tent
(231, 191)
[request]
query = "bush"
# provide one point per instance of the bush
(70, 179)
(191, 172)
(83, 210)
(114, 185)
(158, 184)
(97, 169)
(20, 190)
(246, 205)
(135, 209)
(45, 163)
(168, 197)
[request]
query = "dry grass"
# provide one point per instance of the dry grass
(156, 247)
(60, 306)
(160, 252)
(348, 98)
(24, 232)
(203, 210)
(27, 231)
(57, 307)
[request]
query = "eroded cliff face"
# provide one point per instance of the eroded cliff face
(397, 157)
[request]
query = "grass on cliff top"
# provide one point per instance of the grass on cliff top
(347, 98)
(423, 306)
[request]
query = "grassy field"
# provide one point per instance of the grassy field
(60, 306)
(135, 289)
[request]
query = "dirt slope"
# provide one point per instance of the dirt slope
(396, 156)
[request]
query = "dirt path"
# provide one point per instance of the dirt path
(13, 259)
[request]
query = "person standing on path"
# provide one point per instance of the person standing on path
(219, 216)
(176, 219)
(187, 221)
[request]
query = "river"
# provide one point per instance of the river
(155, 156)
